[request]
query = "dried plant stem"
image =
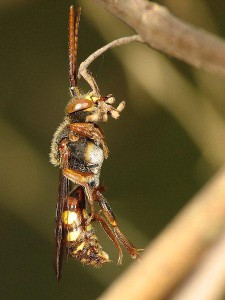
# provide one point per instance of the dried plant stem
(173, 254)
(164, 32)
(86, 74)
(208, 279)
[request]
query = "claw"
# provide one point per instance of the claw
(121, 106)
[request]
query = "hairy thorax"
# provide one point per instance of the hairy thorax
(85, 155)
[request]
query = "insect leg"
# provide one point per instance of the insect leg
(131, 249)
(111, 235)
(90, 131)
(83, 179)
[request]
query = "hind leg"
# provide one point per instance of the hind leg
(111, 235)
(106, 209)
(82, 179)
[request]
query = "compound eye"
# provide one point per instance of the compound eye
(78, 104)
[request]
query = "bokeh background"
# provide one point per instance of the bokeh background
(167, 143)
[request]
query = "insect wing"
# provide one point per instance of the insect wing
(59, 243)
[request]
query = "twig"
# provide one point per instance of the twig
(157, 77)
(163, 31)
(208, 279)
(173, 254)
(86, 74)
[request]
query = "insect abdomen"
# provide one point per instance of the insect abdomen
(79, 238)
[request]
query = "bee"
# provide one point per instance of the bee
(79, 148)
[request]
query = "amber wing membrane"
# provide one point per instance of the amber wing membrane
(59, 245)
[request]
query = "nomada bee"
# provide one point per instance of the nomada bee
(79, 148)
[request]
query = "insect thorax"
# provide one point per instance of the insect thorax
(84, 154)
(60, 134)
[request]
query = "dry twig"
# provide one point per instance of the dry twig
(174, 253)
(86, 74)
(163, 31)
(208, 279)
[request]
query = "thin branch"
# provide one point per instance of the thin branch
(164, 32)
(86, 74)
(173, 254)
(211, 269)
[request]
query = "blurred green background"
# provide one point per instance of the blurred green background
(169, 140)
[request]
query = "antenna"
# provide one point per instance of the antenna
(74, 20)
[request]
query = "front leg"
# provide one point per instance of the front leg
(90, 131)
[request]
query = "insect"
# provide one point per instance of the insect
(79, 148)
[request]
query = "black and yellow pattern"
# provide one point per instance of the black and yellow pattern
(80, 239)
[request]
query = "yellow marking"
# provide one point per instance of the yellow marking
(72, 236)
(113, 222)
(89, 152)
(93, 100)
(85, 214)
(70, 217)
(79, 248)
(90, 108)
(91, 97)
(89, 227)
(104, 255)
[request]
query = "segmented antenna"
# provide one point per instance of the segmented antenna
(74, 20)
